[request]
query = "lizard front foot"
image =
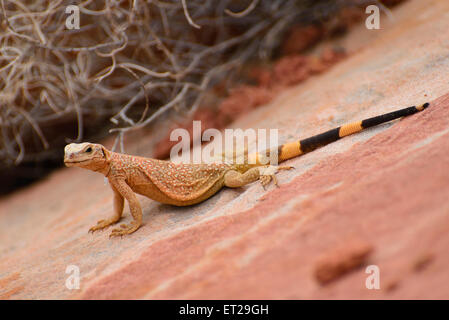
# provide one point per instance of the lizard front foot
(124, 229)
(102, 224)
(269, 172)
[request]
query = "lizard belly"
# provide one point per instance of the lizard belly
(176, 184)
(151, 191)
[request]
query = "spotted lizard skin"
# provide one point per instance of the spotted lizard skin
(167, 182)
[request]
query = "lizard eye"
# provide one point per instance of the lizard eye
(89, 149)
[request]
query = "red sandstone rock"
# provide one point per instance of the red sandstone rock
(341, 260)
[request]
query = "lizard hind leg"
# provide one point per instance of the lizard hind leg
(265, 174)
(235, 179)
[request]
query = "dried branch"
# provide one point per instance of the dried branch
(243, 13)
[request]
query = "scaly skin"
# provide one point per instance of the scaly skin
(188, 184)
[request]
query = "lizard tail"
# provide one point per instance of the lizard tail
(297, 148)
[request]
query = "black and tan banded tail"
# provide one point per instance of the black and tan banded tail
(297, 148)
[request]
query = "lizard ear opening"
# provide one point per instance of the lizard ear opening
(105, 153)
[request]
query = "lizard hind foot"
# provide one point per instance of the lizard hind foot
(268, 173)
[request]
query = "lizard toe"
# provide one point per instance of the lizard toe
(265, 180)
(101, 225)
(285, 167)
(125, 229)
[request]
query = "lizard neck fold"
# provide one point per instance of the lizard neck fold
(104, 170)
(105, 167)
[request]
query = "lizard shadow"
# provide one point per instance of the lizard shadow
(176, 215)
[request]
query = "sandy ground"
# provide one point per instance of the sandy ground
(377, 198)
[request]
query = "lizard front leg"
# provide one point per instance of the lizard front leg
(134, 207)
(119, 202)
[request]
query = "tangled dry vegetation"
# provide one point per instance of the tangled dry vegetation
(129, 62)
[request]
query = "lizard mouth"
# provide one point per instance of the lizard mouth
(73, 162)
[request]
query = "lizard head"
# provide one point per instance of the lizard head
(87, 155)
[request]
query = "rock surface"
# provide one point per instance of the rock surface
(386, 188)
